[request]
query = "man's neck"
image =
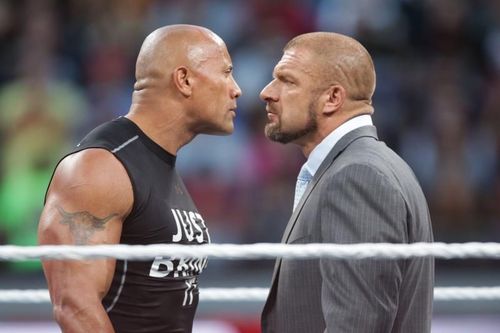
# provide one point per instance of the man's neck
(170, 133)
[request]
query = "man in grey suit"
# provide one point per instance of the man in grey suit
(352, 189)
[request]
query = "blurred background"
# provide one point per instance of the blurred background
(67, 66)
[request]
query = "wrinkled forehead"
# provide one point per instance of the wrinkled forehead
(297, 61)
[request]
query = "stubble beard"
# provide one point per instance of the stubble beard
(274, 133)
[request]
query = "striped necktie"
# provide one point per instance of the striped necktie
(303, 179)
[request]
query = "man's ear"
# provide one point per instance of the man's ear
(335, 99)
(183, 81)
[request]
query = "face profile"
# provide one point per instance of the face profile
(291, 99)
(188, 69)
(215, 91)
(321, 81)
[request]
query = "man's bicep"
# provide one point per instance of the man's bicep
(88, 199)
(77, 287)
(62, 223)
(77, 283)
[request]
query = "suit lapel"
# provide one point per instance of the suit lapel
(370, 131)
(336, 150)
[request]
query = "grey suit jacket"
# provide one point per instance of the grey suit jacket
(362, 192)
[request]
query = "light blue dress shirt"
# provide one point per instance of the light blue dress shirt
(320, 152)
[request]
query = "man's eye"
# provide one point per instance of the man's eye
(286, 80)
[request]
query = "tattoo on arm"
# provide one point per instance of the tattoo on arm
(83, 225)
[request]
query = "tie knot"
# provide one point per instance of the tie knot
(304, 174)
(303, 179)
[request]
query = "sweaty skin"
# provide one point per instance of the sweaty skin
(169, 47)
(170, 61)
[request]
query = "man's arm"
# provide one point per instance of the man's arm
(89, 197)
(359, 206)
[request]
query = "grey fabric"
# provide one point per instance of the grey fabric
(362, 192)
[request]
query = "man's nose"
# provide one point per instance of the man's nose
(267, 93)
(236, 92)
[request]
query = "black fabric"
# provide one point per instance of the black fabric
(159, 295)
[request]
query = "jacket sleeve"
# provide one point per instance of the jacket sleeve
(360, 205)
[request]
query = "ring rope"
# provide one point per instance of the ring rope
(254, 251)
(260, 294)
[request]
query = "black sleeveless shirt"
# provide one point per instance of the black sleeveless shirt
(159, 295)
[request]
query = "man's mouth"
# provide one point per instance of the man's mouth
(272, 116)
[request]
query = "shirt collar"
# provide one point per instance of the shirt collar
(320, 152)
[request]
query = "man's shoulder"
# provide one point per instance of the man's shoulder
(371, 152)
(366, 151)
(373, 159)
(93, 175)
(367, 158)
(89, 164)
(109, 135)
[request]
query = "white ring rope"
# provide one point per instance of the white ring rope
(260, 294)
(254, 251)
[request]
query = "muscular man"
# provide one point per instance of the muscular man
(120, 185)
(352, 189)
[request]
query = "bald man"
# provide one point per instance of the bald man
(352, 189)
(120, 185)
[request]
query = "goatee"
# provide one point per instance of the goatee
(274, 133)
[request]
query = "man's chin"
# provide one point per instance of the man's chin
(227, 130)
(270, 131)
(276, 136)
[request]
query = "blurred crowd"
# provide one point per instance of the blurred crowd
(67, 66)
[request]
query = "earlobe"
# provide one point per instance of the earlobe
(334, 100)
(182, 81)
